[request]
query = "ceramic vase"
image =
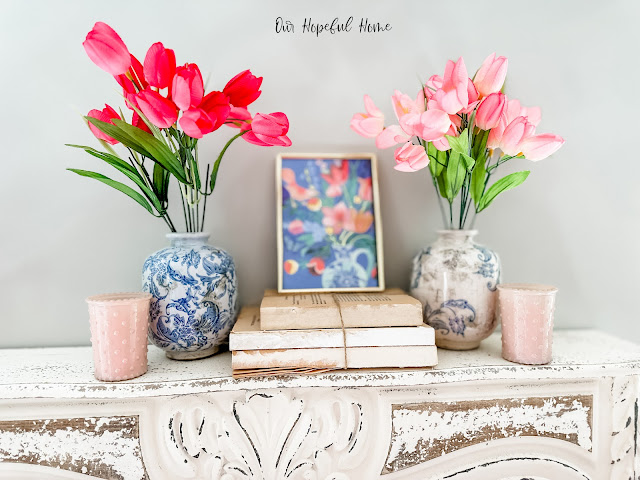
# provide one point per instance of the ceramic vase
(456, 281)
(194, 291)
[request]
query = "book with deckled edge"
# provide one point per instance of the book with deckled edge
(349, 310)
(248, 335)
(335, 358)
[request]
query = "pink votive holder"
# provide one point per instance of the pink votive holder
(119, 325)
(526, 312)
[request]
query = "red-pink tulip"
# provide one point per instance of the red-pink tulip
(106, 49)
(159, 110)
(538, 147)
(368, 124)
(410, 158)
(243, 89)
(196, 123)
(137, 121)
(269, 130)
(490, 77)
(106, 115)
(216, 104)
(137, 73)
(159, 65)
(490, 111)
(239, 117)
(187, 89)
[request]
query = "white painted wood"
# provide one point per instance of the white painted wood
(474, 416)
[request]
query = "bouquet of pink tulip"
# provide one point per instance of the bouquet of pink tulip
(463, 129)
(170, 112)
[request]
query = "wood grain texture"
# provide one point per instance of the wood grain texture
(424, 431)
(103, 447)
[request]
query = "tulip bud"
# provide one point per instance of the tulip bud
(159, 65)
(490, 111)
(106, 49)
(105, 115)
(410, 158)
(243, 89)
(187, 89)
(491, 75)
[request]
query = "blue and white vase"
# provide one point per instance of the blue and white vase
(456, 281)
(194, 302)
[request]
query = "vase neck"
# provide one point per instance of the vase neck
(187, 239)
(456, 237)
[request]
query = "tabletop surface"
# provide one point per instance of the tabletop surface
(68, 372)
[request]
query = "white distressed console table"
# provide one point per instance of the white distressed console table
(476, 416)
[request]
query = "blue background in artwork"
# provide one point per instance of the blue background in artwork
(308, 173)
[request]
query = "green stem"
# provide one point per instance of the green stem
(216, 165)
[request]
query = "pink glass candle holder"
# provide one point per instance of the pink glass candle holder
(526, 311)
(119, 325)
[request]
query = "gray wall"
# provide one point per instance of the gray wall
(574, 223)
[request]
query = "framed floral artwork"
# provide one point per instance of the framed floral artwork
(329, 225)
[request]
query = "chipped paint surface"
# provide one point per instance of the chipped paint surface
(104, 447)
(427, 430)
(68, 372)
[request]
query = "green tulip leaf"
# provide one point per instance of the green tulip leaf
(468, 161)
(130, 192)
(159, 151)
(502, 185)
(478, 177)
(436, 161)
(161, 182)
(116, 133)
(454, 175)
(127, 170)
(459, 144)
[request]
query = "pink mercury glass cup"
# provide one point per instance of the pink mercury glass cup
(119, 324)
(526, 311)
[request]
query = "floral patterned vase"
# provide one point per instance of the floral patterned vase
(456, 281)
(194, 290)
(345, 271)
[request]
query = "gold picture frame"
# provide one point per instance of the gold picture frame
(375, 210)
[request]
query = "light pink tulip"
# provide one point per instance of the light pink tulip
(454, 94)
(429, 125)
(442, 143)
(538, 147)
(159, 110)
(490, 78)
(159, 65)
(106, 49)
(510, 140)
(490, 111)
(368, 124)
(432, 85)
(391, 136)
(403, 104)
(410, 158)
(187, 88)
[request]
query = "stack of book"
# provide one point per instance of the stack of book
(316, 332)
